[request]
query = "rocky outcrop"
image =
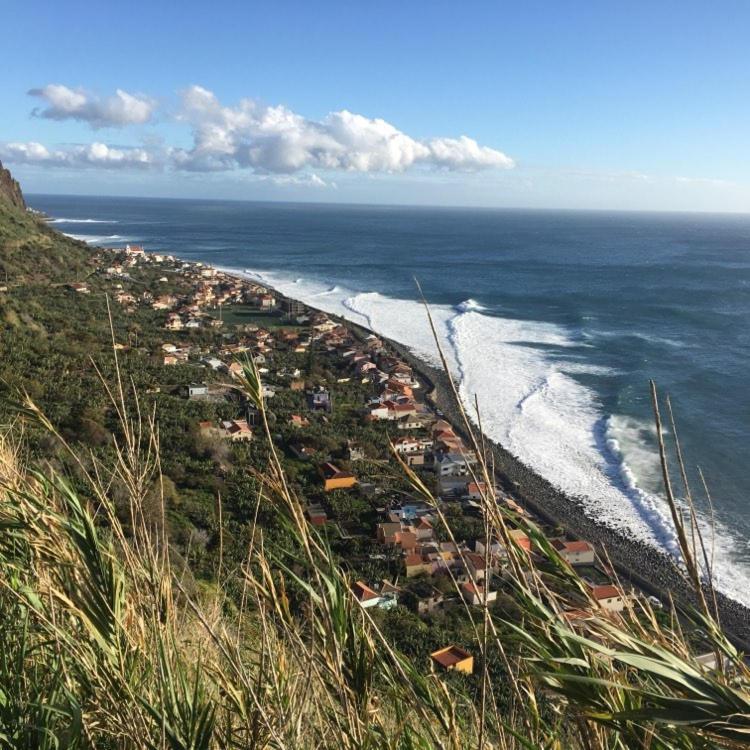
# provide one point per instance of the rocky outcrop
(10, 190)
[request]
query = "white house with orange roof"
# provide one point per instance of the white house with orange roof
(575, 553)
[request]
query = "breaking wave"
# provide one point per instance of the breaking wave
(98, 239)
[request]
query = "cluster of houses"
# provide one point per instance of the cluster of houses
(420, 439)
(207, 289)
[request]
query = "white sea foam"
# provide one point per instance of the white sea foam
(98, 239)
(531, 403)
(63, 220)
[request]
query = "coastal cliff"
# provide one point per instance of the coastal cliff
(10, 190)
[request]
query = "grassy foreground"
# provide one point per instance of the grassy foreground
(106, 644)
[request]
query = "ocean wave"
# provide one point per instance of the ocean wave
(470, 304)
(63, 220)
(333, 290)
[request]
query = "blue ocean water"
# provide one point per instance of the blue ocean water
(554, 320)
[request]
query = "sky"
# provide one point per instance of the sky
(564, 104)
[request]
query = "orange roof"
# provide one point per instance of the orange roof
(449, 656)
(605, 591)
(411, 560)
(363, 592)
(476, 560)
(520, 538)
(423, 523)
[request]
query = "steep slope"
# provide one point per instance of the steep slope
(31, 252)
(10, 190)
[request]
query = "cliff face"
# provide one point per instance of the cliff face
(10, 190)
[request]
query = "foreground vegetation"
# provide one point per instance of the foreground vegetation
(106, 644)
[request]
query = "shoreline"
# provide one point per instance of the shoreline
(636, 562)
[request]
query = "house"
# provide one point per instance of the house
(389, 595)
(297, 420)
(266, 301)
(170, 359)
(79, 287)
(354, 451)
(236, 369)
(453, 464)
(608, 597)
(575, 553)
(405, 445)
(423, 530)
(475, 565)
(297, 385)
(237, 430)
(453, 658)
(428, 599)
(292, 307)
(413, 422)
(496, 547)
(520, 538)
(213, 363)
(197, 390)
(476, 593)
(319, 400)
(365, 595)
(316, 514)
(335, 479)
(476, 490)
(417, 565)
(397, 534)
(387, 533)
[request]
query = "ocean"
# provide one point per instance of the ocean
(554, 320)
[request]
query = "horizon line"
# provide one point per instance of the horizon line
(363, 204)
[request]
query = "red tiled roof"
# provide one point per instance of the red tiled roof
(605, 591)
(363, 592)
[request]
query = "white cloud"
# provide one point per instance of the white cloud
(262, 139)
(277, 140)
(63, 103)
(90, 155)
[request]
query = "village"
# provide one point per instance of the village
(347, 410)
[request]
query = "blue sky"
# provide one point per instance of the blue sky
(563, 104)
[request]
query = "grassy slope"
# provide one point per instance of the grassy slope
(33, 252)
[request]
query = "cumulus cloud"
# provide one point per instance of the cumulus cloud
(90, 155)
(275, 139)
(264, 140)
(63, 103)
